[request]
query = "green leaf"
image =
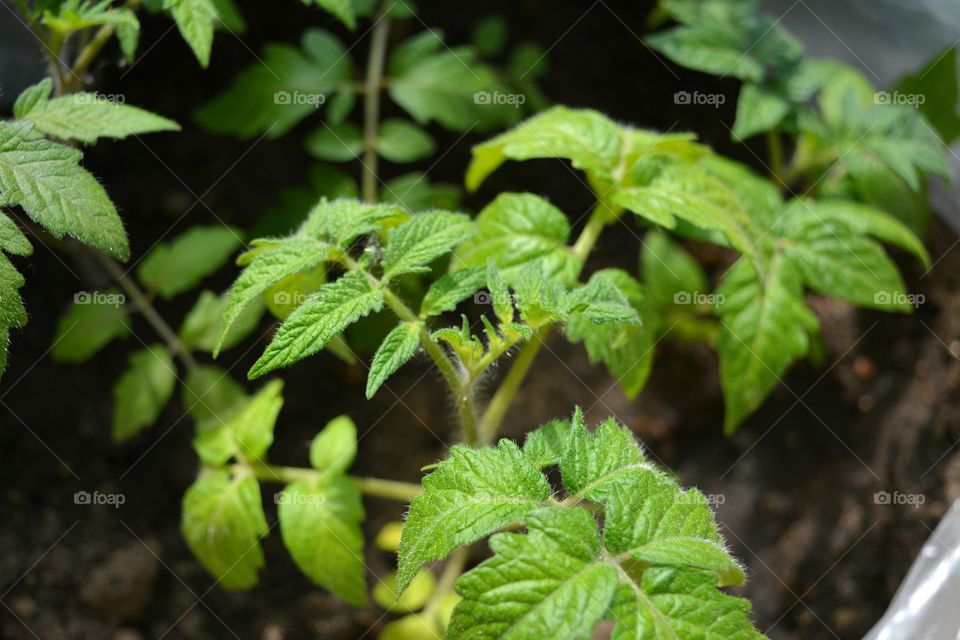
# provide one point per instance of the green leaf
(594, 464)
(394, 352)
(837, 261)
(695, 196)
(335, 447)
(343, 220)
(246, 432)
(342, 10)
(268, 267)
(230, 17)
(668, 269)
(625, 347)
(424, 238)
(758, 110)
(203, 324)
(764, 328)
(937, 83)
(401, 141)
(414, 192)
(223, 523)
(92, 322)
(320, 524)
(210, 395)
(444, 86)
(328, 312)
(590, 141)
(518, 229)
(666, 603)
(545, 584)
(545, 446)
(85, 117)
(47, 180)
(339, 143)
(452, 288)
(177, 266)
(490, 35)
(196, 20)
(73, 15)
(272, 96)
(467, 496)
(142, 391)
(12, 239)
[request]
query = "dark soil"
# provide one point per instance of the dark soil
(795, 486)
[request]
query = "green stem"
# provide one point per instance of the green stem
(376, 487)
(496, 410)
(371, 105)
(148, 311)
(775, 154)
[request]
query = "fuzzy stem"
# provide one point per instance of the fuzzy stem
(376, 487)
(371, 105)
(148, 311)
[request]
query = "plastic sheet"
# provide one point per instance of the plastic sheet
(925, 606)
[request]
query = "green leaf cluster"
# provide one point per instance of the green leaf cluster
(653, 567)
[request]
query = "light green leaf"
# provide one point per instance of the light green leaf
(268, 267)
(85, 117)
(46, 179)
(588, 139)
(203, 323)
(343, 220)
(320, 525)
(247, 431)
(196, 20)
(545, 584)
(210, 395)
(412, 599)
(401, 141)
(328, 312)
(594, 464)
(394, 352)
(758, 110)
(764, 328)
(12, 239)
(335, 447)
(142, 391)
(177, 266)
(467, 496)
(668, 269)
(625, 347)
(414, 192)
(518, 229)
(223, 523)
(93, 321)
(424, 238)
(339, 143)
(545, 446)
(452, 288)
